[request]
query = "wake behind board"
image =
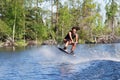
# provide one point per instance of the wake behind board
(64, 51)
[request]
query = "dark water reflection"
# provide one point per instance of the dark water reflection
(92, 62)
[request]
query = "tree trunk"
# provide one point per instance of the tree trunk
(51, 13)
(62, 31)
(14, 23)
(113, 26)
(57, 19)
(37, 12)
(24, 25)
(37, 19)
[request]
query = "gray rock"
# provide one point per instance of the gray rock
(49, 42)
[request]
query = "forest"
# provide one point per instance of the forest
(40, 20)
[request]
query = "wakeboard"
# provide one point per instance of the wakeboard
(61, 49)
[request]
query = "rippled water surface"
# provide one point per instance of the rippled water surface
(91, 62)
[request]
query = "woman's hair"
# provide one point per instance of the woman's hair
(76, 27)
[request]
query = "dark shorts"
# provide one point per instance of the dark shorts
(65, 40)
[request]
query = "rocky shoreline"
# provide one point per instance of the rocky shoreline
(104, 39)
(98, 40)
(10, 43)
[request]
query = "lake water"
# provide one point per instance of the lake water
(91, 62)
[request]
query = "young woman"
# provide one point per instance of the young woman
(71, 39)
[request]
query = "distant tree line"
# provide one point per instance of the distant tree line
(27, 20)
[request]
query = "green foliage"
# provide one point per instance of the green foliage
(111, 9)
(117, 31)
(83, 35)
(35, 23)
(65, 21)
(98, 30)
(4, 30)
(41, 31)
(21, 43)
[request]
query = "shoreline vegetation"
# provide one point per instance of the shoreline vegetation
(97, 40)
(25, 22)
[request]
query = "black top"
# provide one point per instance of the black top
(68, 37)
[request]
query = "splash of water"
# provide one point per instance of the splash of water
(83, 53)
